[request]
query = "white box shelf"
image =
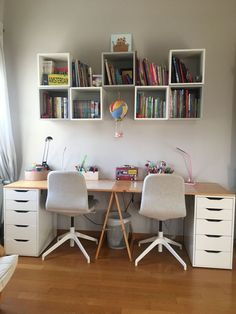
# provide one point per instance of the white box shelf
(54, 103)
(151, 102)
(86, 103)
(118, 69)
(186, 67)
(51, 63)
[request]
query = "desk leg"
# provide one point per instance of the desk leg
(123, 226)
(104, 225)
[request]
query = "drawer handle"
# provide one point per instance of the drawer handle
(22, 226)
(21, 201)
(20, 240)
(214, 209)
(212, 251)
(214, 220)
(21, 191)
(21, 211)
(215, 198)
(213, 236)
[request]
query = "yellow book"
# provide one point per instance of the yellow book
(57, 79)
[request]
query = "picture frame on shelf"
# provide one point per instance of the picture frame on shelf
(121, 42)
(127, 76)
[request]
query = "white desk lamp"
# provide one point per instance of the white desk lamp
(45, 152)
(188, 163)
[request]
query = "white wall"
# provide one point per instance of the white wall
(83, 27)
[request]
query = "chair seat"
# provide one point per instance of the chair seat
(7, 268)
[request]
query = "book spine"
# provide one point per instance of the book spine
(65, 104)
(90, 76)
(109, 81)
(146, 71)
(176, 70)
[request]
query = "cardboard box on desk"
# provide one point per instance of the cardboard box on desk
(36, 175)
(90, 175)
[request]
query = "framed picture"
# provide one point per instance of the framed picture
(127, 76)
(121, 42)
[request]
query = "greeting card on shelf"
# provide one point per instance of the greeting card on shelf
(121, 42)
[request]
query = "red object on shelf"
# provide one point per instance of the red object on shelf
(128, 173)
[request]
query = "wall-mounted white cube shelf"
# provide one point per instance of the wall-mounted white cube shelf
(151, 102)
(86, 103)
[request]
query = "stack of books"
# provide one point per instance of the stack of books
(54, 75)
(81, 74)
(185, 103)
(148, 73)
(54, 106)
(150, 107)
(180, 73)
(86, 109)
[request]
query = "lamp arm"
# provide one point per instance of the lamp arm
(188, 164)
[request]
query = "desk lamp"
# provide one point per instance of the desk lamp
(45, 152)
(188, 164)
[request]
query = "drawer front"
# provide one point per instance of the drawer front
(213, 259)
(21, 204)
(215, 202)
(23, 232)
(214, 213)
(20, 217)
(20, 247)
(214, 227)
(20, 194)
(219, 243)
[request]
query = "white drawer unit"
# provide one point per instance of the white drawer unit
(32, 205)
(213, 232)
(213, 242)
(20, 194)
(214, 213)
(24, 232)
(214, 227)
(214, 202)
(213, 259)
(28, 227)
(20, 217)
(25, 247)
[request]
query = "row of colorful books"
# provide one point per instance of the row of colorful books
(148, 73)
(86, 109)
(81, 74)
(185, 103)
(180, 73)
(150, 107)
(117, 76)
(54, 106)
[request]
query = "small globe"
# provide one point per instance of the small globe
(118, 109)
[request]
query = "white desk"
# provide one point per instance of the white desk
(208, 226)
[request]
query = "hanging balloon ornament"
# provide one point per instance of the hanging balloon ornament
(118, 110)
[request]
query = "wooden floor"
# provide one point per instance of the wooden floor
(65, 283)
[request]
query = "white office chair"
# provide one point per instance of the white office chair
(162, 198)
(67, 195)
(7, 267)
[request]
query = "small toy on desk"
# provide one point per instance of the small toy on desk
(159, 167)
(89, 172)
(127, 172)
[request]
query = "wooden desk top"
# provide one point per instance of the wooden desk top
(199, 188)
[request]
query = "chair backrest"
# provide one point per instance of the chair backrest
(163, 197)
(67, 192)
